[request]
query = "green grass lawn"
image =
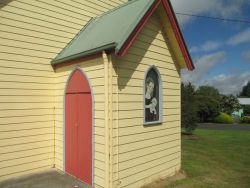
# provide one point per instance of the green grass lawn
(215, 158)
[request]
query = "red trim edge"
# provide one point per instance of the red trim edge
(174, 24)
(138, 28)
(178, 34)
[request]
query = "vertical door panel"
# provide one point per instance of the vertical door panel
(85, 137)
(70, 134)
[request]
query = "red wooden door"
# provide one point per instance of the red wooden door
(78, 128)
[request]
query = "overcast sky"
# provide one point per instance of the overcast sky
(220, 50)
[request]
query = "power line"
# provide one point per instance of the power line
(214, 18)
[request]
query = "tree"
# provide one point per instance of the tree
(208, 101)
(246, 110)
(229, 104)
(188, 107)
(208, 91)
(245, 90)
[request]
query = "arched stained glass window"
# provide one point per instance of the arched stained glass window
(152, 97)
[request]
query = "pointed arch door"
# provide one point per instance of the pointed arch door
(78, 128)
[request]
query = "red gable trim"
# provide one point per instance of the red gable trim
(174, 24)
(138, 28)
(178, 34)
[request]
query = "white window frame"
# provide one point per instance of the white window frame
(160, 97)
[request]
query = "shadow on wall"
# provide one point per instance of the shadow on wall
(132, 59)
(178, 69)
(3, 3)
(135, 56)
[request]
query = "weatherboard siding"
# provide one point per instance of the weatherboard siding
(32, 33)
(145, 153)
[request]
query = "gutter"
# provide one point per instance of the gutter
(84, 54)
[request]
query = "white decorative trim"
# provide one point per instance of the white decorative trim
(64, 105)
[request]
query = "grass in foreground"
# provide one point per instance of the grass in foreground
(215, 159)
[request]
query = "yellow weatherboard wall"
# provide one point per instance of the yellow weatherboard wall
(126, 153)
(141, 153)
(32, 33)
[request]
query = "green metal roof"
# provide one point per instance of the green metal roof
(108, 31)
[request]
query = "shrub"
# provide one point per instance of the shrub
(224, 118)
(245, 119)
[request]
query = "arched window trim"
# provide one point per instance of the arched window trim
(160, 96)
